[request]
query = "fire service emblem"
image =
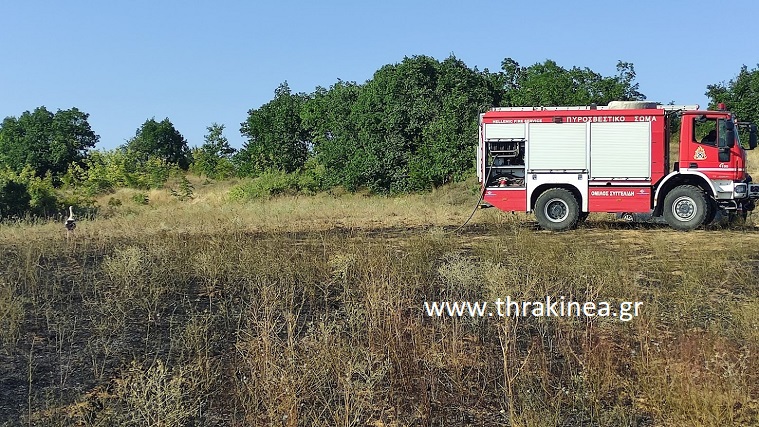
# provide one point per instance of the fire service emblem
(700, 154)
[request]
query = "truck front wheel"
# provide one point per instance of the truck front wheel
(557, 210)
(711, 212)
(686, 208)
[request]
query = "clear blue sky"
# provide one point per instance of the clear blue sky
(202, 62)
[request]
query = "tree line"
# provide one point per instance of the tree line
(411, 127)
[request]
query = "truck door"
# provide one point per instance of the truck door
(704, 148)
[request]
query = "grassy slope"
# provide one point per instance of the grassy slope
(308, 311)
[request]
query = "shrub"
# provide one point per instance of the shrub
(23, 194)
(141, 198)
(266, 185)
(14, 198)
(105, 171)
(183, 190)
(44, 201)
(154, 173)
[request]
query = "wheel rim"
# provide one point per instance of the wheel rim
(684, 208)
(556, 210)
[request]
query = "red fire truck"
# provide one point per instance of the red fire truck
(564, 162)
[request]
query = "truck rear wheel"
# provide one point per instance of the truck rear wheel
(557, 210)
(686, 208)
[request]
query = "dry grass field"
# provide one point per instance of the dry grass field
(308, 311)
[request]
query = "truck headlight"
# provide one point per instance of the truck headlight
(740, 190)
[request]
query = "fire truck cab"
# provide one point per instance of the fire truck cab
(563, 163)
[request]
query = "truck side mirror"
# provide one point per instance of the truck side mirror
(730, 138)
(752, 137)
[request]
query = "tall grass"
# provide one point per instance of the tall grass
(303, 311)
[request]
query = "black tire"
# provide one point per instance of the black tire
(557, 210)
(686, 208)
(712, 212)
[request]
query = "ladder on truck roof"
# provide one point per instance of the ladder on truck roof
(599, 107)
(693, 107)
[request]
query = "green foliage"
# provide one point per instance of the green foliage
(276, 137)
(448, 138)
(46, 141)
(24, 193)
(100, 173)
(162, 141)
(275, 183)
(740, 95)
(413, 126)
(14, 198)
(184, 190)
(154, 174)
(213, 158)
(105, 171)
(265, 185)
(44, 200)
(330, 115)
(313, 177)
(552, 85)
(140, 198)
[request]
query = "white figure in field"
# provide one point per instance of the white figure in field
(70, 222)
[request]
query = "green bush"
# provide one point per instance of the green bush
(312, 178)
(266, 185)
(14, 198)
(44, 202)
(102, 172)
(141, 198)
(105, 171)
(154, 173)
(214, 158)
(24, 194)
(183, 189)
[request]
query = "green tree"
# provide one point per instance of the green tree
(46, 141)
(549, 84)
(412, 126)
(329, 117)
(740, 95)
(276, 137)
(449, 136)
(213, 158)
(390, 113)
(162, 141)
